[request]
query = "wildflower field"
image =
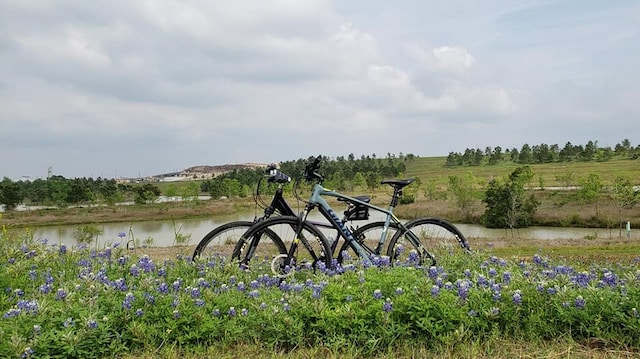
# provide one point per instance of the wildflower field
(80, 302)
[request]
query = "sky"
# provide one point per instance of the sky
(128, 88)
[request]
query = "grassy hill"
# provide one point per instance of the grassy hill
(433, 168)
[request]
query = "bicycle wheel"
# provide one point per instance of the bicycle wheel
(312, 248)
(368, 236)
(439, 237)
(222, 239)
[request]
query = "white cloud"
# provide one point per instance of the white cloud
(454, 59)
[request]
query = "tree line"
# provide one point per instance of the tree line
(542, 153)
(341, 173)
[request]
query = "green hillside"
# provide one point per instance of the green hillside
(433, 168)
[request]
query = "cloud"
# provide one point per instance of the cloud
(211, 82)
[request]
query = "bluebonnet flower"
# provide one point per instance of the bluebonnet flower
(254, 284)
(610, 279)
(37, 329)
(463, 289)
(482, 281)
(45, 288)
(62, 249)
(61, 294)
(177, 284)
(32, 274)
(29, 306)
(495, 311)
(68, 323)
(232, 279)
(162, 272)
(149, 298)
(580, 302)
(472, 313)
(387, 306)
(146, 264)
(517, 297)
(175, 302)
(286, 307)
(399, 291)
(13, 312)
(128, 301)
(581, 279)
(163, 288)
(199, 302)
(120, 284)
(552, 290)
(139, 312)
(492, 272)
(134, 270)
(216, 312)
(448, 285)
(377, 294)
(263, 305)
(413, 257)
(122, 234)
(435, 290)
(244, 312)
(467, 273)
(194, 292)
(349, 298)
(27, 353)
(506, 278)
(176, 313)
(241, 287)
(433, 272)
(253, 294)
(92, 324)
(232, 312)
(315, 292)
(122, 260)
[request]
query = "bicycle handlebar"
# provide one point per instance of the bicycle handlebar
(310, 170)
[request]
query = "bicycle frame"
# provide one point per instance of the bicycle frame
(317, 200)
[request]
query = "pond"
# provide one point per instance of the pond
(167, 233)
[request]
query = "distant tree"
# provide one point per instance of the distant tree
(507, 203)
(526, 155)
(463, 190)
(10, 195)
(623, 196)
(590, 190)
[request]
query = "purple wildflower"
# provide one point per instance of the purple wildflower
(92, 324)
(435, 290)
(377, 294)
(387, 306)
(580, 302)
(517, 297)
(61, 294)
(232, 312)
(244, 312)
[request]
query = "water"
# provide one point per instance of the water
(164, 233)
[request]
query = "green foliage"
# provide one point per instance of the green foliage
(507, 203)
(463, 190)
(590, 190)
(62, 303)
(9, 194)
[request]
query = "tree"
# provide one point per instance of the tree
(10, 195)
(624, 196)
(590, 189)
(507, 203)
(464, 192)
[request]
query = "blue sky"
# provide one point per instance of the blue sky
(128, 88)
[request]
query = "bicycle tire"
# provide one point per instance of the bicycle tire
(223, 239)
(312, 251)
(439, 237)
